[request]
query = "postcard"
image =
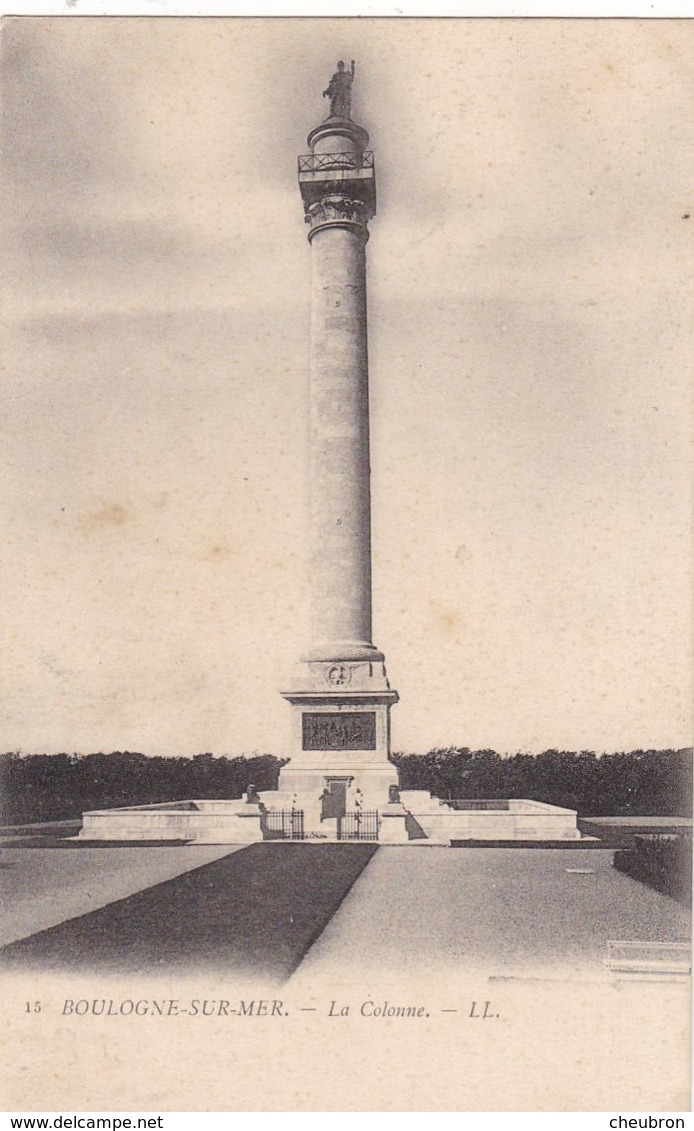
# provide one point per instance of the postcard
(347, 570)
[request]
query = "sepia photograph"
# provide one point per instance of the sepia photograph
(347, 716)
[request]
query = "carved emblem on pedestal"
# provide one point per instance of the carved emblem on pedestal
(338, 675)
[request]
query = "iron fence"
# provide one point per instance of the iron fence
(360, 824)
(481, 803)
(284, 824)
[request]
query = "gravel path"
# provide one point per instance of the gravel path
(497, 910)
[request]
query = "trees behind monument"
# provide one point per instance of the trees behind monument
(42, 787)
(641, 782)
(54, 787)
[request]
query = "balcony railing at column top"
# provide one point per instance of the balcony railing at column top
(324, 162)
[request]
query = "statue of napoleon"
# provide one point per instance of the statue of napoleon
(340, 91)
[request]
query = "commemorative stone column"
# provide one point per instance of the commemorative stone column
(340, 696)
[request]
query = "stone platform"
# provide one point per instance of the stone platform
(490, 819)
(193, 821)
(416, 818)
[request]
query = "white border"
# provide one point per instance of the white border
(585, 9)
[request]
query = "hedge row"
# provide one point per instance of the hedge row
(662, 862)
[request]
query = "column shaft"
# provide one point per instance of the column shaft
(341, 523)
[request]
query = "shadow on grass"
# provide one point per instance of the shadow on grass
(255, 913)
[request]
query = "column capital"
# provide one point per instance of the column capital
(338, 211)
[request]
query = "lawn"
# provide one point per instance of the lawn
(255, 912)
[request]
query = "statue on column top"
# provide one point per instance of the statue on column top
(339, 91)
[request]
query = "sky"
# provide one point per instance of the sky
(530, 340)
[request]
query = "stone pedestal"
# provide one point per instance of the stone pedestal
(340, 733)
(393, 826)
